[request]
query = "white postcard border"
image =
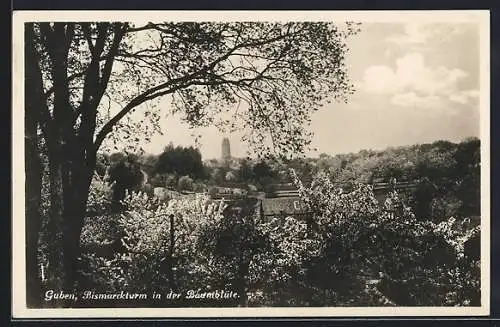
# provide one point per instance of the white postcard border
(19, 309)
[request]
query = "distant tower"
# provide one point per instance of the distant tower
(226, 149)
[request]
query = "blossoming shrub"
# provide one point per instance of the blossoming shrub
(99, 240)
(351, 251)
(177, 262)
(277, 272)
(158, 245)
(417, 262)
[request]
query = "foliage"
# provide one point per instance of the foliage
(185, 183)
(230, 176)
(446, 175)
(180, 161)
(351, 251)
(125, 174)
(278, 72)
(276, 274)
(411, 256)
(248, 63)
(245, 172)
(100, 196)
(101, 165)
(146, 235)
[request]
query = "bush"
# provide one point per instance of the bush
(149, 259)
(185, 183)
(352, 250)
(446, 206)
(419, 262)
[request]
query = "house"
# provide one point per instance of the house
(289, 206)
(282, 190)
(218, 192)
(241, 207)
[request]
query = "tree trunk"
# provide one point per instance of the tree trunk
(33, 170)
(33, 187)
(71, 150)
(69, 190)
(71, 244)
(73, 218)
(55, 271)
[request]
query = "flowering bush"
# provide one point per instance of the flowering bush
(276, 273)
(158, 244)
(416, 262)
(352, 250)
(100, 196)
(457, 233)
(99, 240)
(100, 226)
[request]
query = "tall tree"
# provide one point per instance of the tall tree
(33, 166)
(281, 72)
(181, 161)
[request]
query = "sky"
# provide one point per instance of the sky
(415, 83)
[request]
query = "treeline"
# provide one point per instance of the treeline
(446, 174)
(181, 168)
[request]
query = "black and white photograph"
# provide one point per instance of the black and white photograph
(181, 164)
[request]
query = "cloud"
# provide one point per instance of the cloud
(413, 34)
(464, 97)
(418, 33)
(380, 79)
(411, 99)
(388, 52)
(412, 80)
(411, 73)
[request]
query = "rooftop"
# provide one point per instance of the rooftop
(288, 205)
